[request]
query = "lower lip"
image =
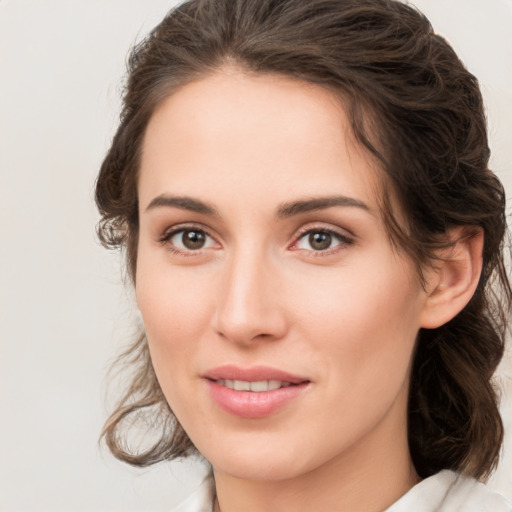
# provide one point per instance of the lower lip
(251, 404)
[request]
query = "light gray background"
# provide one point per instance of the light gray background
(64, 312)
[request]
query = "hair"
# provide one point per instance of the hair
(414, 106)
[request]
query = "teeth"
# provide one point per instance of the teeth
(261, 385)
(257, 386)
(242, 385)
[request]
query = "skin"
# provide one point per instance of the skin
(259, 293)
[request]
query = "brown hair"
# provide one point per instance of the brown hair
(415, 107)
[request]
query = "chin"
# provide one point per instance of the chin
(259, 457)
(260, 468)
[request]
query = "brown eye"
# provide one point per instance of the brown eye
(320, 240)
(187, 240)
(193, 239)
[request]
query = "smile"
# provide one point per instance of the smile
(255, 392)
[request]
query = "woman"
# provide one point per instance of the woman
(312, 231)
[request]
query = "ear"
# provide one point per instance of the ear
(454, 278)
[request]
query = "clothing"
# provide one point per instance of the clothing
(201, 500)
(446, 491)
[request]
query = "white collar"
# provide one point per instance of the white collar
(446, 491)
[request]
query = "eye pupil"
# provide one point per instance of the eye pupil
(193, 239)
(320, 240)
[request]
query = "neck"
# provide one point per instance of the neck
(369, 477)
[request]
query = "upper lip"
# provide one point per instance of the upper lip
(252, 374)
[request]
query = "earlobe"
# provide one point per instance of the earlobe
(453, 281)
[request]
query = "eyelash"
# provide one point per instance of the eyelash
(168, 235)
(343, 239)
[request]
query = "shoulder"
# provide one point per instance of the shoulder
(201, 500)
(448, 491)
(469, 495)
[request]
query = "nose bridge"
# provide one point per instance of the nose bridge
(248, 301)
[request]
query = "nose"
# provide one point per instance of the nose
(250, 303)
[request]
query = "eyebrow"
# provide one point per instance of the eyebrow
(286, 210)
(318, 203)
(183, 203)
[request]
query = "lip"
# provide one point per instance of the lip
(250, 404)
(252, 374)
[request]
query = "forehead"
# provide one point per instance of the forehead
(252, 133)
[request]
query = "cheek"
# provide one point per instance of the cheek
(363, 333)
(372, 296)
(173, 325)
(176, 313)
(365, 323)
(172, 300)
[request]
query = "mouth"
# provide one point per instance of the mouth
(255, 392)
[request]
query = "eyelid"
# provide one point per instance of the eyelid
(183, 226)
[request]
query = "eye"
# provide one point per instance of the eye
(319, 240)
(188, 240)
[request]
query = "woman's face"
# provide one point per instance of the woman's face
(280, 320)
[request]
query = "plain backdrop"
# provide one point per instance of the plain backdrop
(64, 311)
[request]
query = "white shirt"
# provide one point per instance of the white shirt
(445, 491)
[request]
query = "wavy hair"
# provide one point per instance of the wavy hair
(415, 107)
